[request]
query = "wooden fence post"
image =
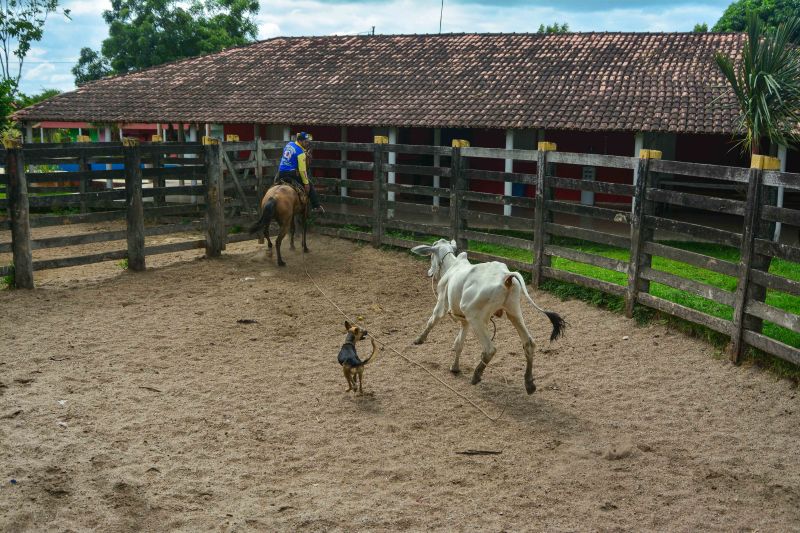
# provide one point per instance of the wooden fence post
(215, 216)
(541, 215)
(83, 168)
(19, 210)
(753, 228)
(159, 182)
(640, 206)
(378, 189)
(259, 166)
(133, 201)
(458, 185)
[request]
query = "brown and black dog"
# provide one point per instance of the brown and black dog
(352, 366)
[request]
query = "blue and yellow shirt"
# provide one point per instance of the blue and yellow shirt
(294, 158)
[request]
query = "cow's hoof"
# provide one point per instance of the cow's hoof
(306, 251)
(281, 263)
(419, 340)
(530, 386)
(455, 369)
(476, 378)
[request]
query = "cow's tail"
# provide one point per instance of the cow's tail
(266, 216)
(559, 325)
(375, 350)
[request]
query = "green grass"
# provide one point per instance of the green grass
(642, 314)
(8, 280)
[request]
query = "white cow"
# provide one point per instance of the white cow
(472, 294)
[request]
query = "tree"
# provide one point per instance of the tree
(21, 24)
(6, 105)
(144, 33)
(766, 84)
(24, 100)
(555, 28)
(91, 66)
(700, 28)
(771, 12)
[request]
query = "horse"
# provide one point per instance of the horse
(284, 203)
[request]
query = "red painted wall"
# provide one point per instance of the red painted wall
(793, 160)
(710, 149)
(244, 131)
(593, 143)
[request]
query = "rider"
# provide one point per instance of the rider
(294, 167)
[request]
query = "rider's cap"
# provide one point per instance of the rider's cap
(303, 136)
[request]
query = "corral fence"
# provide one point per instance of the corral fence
(105, 184)
(381, 193)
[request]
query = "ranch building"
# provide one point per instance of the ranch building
(602, 93)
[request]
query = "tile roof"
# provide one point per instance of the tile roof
(580, 81)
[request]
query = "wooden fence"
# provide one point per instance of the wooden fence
(434, 191)
(99, 192)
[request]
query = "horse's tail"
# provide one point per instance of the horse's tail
(559, 324)
(266, 216)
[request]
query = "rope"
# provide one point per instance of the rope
(407, 359)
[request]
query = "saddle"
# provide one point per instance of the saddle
(301, 192)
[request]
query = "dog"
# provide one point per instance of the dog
(352, 366)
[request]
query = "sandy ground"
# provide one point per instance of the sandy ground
(136, 401)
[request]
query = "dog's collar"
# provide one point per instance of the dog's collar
(350, 339)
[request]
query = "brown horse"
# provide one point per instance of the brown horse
(284, 203)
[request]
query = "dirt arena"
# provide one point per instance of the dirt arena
(136, 401)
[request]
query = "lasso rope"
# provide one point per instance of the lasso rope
(407, 359)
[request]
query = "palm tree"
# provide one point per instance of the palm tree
(766, 84)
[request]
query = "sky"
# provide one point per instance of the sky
(49, 62)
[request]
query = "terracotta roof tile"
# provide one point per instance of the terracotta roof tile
(583, 81)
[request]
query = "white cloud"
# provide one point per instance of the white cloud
(87, 7)
(315, 17)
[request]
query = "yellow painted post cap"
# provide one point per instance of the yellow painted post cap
(130, 141)
(209, 140)
(460, 143)
(83, 139)
(231, 138)
(644, 153)
(156, 138)
(545, 146)
(381, 139)
(765, 162)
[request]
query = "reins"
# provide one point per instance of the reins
(407, 359)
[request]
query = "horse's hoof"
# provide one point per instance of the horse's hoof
(454, 369)
(281, 264)
(530, 386)
(306, 251)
